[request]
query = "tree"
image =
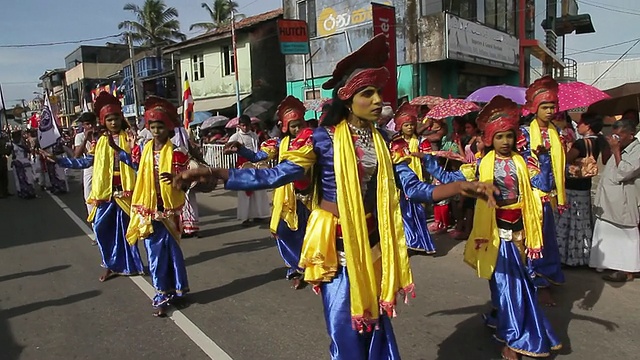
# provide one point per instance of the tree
(220, 14)
(155, 25)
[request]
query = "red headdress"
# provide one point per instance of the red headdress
(405, 113)
(500, 114)
(363, 67)
(160, 109)
(542, 90)
(290, 109)
(106, 104)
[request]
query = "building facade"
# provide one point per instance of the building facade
(445, 48)
(208, 62)
(89, 67)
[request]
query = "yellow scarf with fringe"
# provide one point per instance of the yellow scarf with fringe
(557, 156)
(103, 171)
(416, 163)
(370, 290)
(103, 164)
(481, 250)
(144, 204)
(284, 198)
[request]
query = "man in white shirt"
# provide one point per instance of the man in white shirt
(83, 145)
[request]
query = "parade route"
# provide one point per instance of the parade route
(53, 307)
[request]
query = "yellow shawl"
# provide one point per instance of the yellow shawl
(284, 198)
(370, 291)
(416, 163)
(144, 204)
(481, 250)
(103, 168)
(557, 156)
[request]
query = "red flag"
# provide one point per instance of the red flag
(187, 105)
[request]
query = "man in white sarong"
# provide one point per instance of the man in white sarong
(83, 144)
(252, 205)
(616, 239)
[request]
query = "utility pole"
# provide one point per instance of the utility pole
(4, 110)
(235, 61)
(133, 76)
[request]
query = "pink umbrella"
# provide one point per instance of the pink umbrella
(428, 100)
(577, 94)
(452, 107)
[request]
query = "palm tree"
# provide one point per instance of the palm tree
(220, 14)
(156, 24)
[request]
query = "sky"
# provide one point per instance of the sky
(45, 21)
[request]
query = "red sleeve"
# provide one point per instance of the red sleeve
(305, 137)
(425, 146)
(180, 161)
(136, 153)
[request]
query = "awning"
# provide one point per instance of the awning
(217, 103)
(542, 52)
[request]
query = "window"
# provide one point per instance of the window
(307, 12)
(311, 94)
(501, 15)
(466, 9)
(197, 67)
(228, 61)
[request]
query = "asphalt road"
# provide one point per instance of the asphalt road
(53, 307)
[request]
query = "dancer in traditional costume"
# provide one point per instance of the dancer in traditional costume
(111, 189)
(542, 100)
(291, 202)
(354, 250)
(414, 216)
(156, 205)
(21, 164)
(190, 215)
(503, 238)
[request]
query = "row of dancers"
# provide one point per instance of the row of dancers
(348, 202)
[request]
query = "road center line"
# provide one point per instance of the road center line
(187, 326)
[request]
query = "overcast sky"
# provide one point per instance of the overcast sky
(44, 21)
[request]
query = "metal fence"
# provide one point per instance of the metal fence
(215, 157)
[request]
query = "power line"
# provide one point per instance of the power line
(602, 53)
(604, 47)
(609, 8)
(58, 43)
(616, 62)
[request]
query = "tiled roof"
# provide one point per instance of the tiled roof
(226, 30)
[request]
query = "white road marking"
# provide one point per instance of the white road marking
(187, 326)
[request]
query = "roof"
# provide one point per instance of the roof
(225, 31)
(51, 72)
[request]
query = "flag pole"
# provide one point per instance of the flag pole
(4, 110)
(235, 60)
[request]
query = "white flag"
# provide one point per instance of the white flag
(48, 132)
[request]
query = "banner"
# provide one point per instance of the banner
(48, 132)
(384, 22)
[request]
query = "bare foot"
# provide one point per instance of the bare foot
(544, 296)
(298, 283)
(108, 274)
(509, 354)
(160, 312)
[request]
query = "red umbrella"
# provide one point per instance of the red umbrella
(577, 95)
(452, 107)
(233, 123)
(428, 100)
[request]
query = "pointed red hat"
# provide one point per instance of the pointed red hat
(500, 114)
(106, 104)
(160, 109)
(405, 113)
(363, 67)
(290, 109)
(545, 89)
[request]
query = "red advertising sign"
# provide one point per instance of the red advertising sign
(384, 22)
(293, 36)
